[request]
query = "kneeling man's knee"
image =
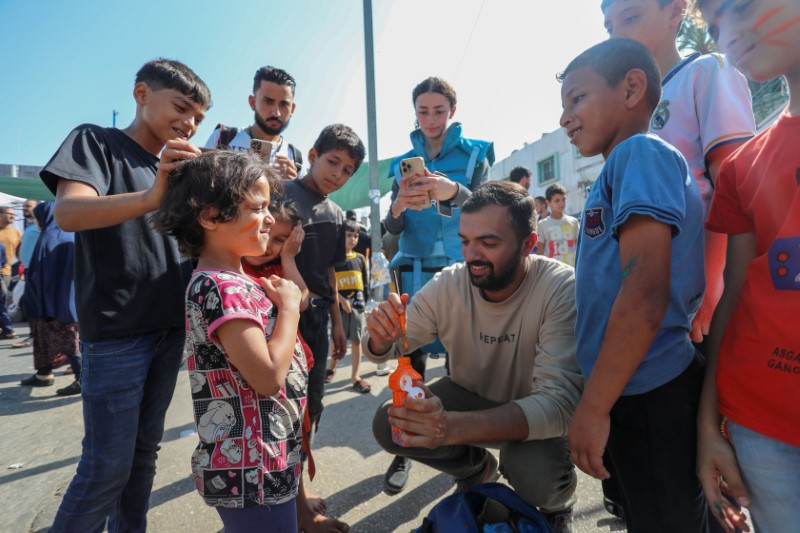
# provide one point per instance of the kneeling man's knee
(381, 428)
(541, 472)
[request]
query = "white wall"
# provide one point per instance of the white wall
(574, 172)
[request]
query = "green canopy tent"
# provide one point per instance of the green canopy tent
(353, 195)
(355, 192)
(30, 189)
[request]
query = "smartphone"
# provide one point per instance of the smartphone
(414, 166)
(262, 148)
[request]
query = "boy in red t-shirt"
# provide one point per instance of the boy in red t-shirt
(751, 389)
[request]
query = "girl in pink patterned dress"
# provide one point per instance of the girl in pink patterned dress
(246, 366)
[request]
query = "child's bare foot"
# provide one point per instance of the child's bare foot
(311, 501)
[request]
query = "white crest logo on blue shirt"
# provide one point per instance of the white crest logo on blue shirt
(593, 226)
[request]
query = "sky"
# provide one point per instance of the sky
(68, 63)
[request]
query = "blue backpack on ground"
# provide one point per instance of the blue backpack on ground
(485, 508)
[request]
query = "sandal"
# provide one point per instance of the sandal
(9, 335)
(329, 375)
(35, 381)
(21, 344)
(362, 386)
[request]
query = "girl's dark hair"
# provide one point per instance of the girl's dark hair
(220, 180)
(434, 85)
(282, 209)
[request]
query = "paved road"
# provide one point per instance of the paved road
(42, 433)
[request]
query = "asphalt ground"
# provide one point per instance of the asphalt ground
(42, 436)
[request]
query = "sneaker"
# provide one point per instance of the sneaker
(383, 370)
(560, 521)
(487, 474)
(397, 475)
(69, 390)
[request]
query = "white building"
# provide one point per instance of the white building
(552, 159)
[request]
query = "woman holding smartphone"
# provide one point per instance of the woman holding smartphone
(453, 167)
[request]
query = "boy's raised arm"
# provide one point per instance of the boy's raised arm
(640, 306)
(79, 207)
(337, 330)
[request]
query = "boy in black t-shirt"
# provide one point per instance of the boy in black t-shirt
(129, 291)
(335, 157)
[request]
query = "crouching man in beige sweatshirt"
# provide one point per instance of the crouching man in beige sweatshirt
(507, 319)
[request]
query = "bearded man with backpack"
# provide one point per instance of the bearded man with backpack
(273, 105)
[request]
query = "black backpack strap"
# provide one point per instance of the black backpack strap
(226, 135)
(297, 156)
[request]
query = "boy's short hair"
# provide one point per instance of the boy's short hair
(282, 209)
(340, 137)
(614, 58)
(540, 199)
(218, 179)
(554, 189)
(275, 75)
(510, 195)
(163, 73)
(351, 226)
(519, 173)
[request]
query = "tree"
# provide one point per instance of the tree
(693, 36)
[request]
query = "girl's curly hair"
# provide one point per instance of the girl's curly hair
(220, 180)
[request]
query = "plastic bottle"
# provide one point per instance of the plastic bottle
(401, 382)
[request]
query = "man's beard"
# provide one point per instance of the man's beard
(269, 130)
(496, 280)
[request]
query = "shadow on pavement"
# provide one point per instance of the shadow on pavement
(358, 411)
(613, 523)
(23, 472)
(14, 378)
(343, 501)
(176, 489)
(18, 401)
(392, 516)
(175, 433)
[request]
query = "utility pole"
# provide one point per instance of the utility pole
(372, 132)
(114, 114)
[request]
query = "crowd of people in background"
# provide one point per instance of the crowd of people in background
(649, 342)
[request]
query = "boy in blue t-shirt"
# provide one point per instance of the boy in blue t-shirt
(639, 281)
